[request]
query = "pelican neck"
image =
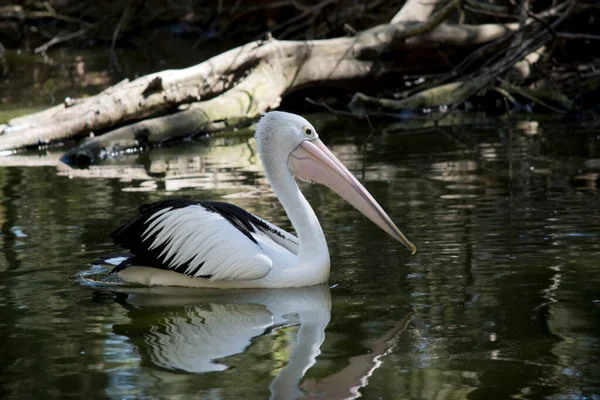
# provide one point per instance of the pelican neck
(310, 234)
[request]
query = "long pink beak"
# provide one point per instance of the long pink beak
(311, 161)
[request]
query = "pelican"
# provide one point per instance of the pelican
(219, 245)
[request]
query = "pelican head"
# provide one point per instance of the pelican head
(289, 141)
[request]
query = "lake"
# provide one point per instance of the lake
(502, 299)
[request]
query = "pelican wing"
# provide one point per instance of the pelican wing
(209, 240)
(276, 234)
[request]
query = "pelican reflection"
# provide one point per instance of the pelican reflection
(251, 338)
(183, 329)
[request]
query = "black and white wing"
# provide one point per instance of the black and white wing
(210, 240)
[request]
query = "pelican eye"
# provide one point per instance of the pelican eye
(308, 131)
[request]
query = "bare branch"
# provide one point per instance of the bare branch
(580, 36)
(438, 18)
(416, 11)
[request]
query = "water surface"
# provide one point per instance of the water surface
(501, 300)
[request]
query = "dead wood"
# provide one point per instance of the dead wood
(443, 94)
(233, 88)
(290, 64)
(515, 61)
(421, 11)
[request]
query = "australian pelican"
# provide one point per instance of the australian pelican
(219, 245)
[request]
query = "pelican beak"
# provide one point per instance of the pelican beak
(311, 161)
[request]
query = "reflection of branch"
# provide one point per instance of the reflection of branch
(346, 383)
(364, 149)
(30, 160)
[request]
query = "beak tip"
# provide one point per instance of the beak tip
(414, 249)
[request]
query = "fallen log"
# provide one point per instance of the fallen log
(233, 88)
(227, 88)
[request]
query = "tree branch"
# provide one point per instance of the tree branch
(415, 11)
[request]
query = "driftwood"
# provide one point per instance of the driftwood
(233, 88)
(236, 85)
(518, 58)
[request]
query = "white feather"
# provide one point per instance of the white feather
(197, 236)
(282, 238)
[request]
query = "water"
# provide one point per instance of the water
(501, 300)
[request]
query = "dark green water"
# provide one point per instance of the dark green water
(502, 299)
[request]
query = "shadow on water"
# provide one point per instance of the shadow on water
(505, 286)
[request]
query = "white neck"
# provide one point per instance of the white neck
(313, 252)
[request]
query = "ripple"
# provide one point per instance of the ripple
(458, 196)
